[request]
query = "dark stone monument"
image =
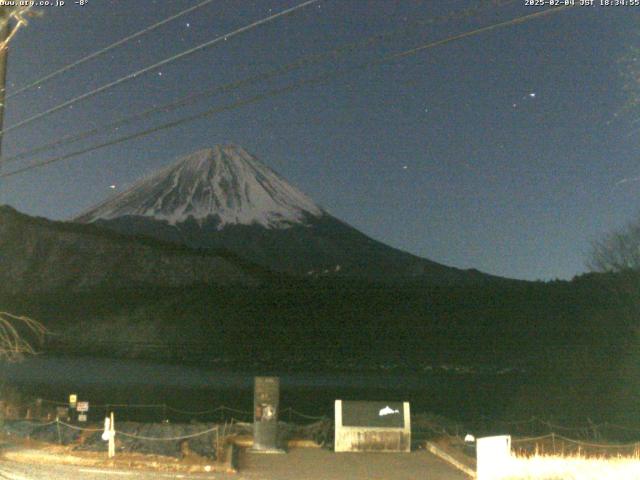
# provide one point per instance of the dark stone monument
(266, 404)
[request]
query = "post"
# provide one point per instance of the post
(58, 429)
(112, 438)
(217, 446)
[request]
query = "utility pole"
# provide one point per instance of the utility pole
(6, 34)
(7, 31)
(5, 17)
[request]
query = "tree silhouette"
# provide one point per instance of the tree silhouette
(617, 251)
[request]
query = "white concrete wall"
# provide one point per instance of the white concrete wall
(368, 439)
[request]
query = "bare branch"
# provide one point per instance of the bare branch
(13, 330)
(617, 251)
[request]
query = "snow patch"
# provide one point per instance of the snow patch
(224, 182)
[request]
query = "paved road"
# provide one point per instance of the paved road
(320, 464)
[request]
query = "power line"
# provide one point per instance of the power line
(104, 50)
(515, 21)
(189, 99)
(157, 65)
(279, 91)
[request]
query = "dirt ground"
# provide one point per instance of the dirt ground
(320, 464)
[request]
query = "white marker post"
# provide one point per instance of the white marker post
(109, 434)
(112, 438)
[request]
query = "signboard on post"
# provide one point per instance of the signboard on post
(266, 403)
(372, 426)
(82, 406)
(73, 399)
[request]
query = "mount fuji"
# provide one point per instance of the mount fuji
(225, 185)
(224, 197)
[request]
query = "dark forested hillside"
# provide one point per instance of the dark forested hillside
(576, 342)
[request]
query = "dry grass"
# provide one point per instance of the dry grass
(571, 467)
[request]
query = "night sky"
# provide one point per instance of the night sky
(507, 151)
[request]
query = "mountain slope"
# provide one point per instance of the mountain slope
(225, 198)
(38, 255)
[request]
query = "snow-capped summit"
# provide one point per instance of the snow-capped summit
(223, 183)
(224, 199)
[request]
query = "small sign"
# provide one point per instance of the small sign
(82, 417)
(73, 399)
(82, 407)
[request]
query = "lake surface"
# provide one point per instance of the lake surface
(460, 393)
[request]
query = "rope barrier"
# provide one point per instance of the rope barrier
(141, 437)
(553, 436)
(189, 412)
(196, 412)
(551, 425)
(531, 439)
(303, 415)
(169, 439)
(235, 410)
(584, 430)
(60, 422)
(245, 424)
(577, 442)
(598, 445)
